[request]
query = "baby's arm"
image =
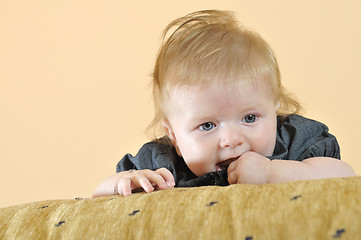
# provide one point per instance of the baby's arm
(254, 168)
(311, 168)
(123, 183)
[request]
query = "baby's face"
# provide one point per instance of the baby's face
(211, 126)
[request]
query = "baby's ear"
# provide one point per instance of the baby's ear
(277, 105)
(168, 129)
(170, 133)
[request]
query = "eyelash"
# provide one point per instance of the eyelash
(253, 115)
(205, 130)
(209, 128)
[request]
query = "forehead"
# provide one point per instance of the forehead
(219, 88)
(215, 97)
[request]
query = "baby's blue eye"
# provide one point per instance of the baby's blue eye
(206, 126)
(250, 118)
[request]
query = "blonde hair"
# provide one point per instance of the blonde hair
(211, 46)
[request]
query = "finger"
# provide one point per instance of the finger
(134, 182)
(233, 165)
(232, 178)
(143, 182)
(156, 179)
(233, 174)
(124, 187)
(167, 176)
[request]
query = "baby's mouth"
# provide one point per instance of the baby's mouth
(219, 168)
(224, 164)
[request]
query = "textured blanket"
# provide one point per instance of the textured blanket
(318, 209)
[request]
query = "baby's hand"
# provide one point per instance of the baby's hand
(251, 168)
(123, 183)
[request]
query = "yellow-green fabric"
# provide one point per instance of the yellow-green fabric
(318, 209)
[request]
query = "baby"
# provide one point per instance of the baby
(226, 116)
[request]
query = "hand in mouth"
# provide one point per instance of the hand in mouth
(224, 164)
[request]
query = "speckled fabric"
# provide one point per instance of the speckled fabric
(317, 209)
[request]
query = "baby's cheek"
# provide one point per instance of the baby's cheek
(269, 148)
(266, 143)
(200, 156)
(198, 166)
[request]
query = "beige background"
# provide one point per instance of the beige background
(73, 81)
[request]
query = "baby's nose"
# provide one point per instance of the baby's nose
(231, 138)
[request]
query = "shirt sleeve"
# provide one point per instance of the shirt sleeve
(152, 155)
(299, 138)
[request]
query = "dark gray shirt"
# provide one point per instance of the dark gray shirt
(298, 138)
